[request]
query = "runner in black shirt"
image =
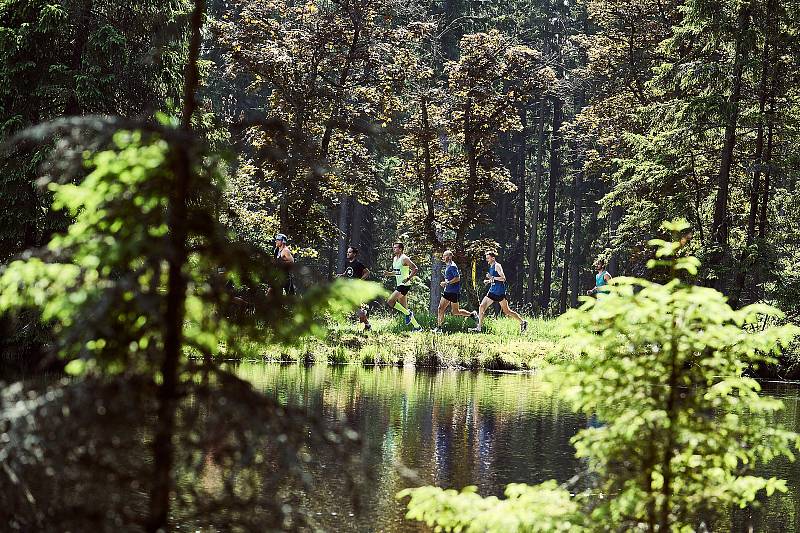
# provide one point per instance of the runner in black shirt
(355, 269)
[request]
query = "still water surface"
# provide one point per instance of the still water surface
(454, 429)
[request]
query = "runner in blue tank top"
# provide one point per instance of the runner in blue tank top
(601, 279)
(496, 280)
(451, 287)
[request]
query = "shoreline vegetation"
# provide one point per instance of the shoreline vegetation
(499, 347)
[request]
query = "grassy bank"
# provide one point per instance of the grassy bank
(499, 347)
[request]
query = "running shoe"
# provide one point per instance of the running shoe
(523, 326)
(436, 330)
(367, 327)
(474, 330)
(418, 328)
(409, 316)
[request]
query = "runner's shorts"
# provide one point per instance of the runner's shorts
(496, 297)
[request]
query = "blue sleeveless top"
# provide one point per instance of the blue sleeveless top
(497, 287)
(600, 279)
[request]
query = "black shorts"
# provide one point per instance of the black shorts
(496, 297)
(403, 289)
(450, 297)
(289, 288)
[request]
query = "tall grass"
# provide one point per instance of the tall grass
(391, 342)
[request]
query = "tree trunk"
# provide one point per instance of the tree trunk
(472, 167)
(341, 257)
(163, 447)
(501, 223)
(767, 162)
(331, 247)
(367, 242)
(745, 262)
(436, 278)
(533, 249)
(504, 208)
(343, 76)
(576, 261)
(613, 223)
(719, 226)
(357, 224)
(519, 245)
(452, 10)
(426, 178)
(549, 237)
(562, 293)
(762, 223)
(577, 235)
(592, 226)
(83, 28)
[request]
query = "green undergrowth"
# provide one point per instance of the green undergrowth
(499, 347)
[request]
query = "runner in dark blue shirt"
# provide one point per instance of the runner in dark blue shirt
(451, 287)
(496, 280)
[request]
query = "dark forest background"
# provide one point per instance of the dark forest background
(557, 132)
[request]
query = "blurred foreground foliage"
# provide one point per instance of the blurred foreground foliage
(91, 451)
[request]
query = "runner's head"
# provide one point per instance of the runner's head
(447, 256)
(491, 257)
(352, 252)
(600, 265)
(280, 240)
(397, 248)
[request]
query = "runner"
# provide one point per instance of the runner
(285, 261)
(496, 280)
(452, 287)
(601, 279)
(403, 270)
(355, 269)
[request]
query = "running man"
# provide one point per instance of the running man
(355, 269)
(452, 287)
(601, 279)
(285, 261)
(403, 270)
(496, 280)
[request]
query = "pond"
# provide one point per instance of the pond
(455, 428)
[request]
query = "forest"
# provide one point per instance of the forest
(556, 133)
(154, 153)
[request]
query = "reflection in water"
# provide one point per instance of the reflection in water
(452, 428)
(461, 428)
(780, 512)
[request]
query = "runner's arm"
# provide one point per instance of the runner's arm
(409, 263)
(365, 275)
(287, 256)
(501, 276)
(593, 290)
(452, 281)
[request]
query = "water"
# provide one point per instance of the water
(455, 429)
(781, 512)
(451, 428)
